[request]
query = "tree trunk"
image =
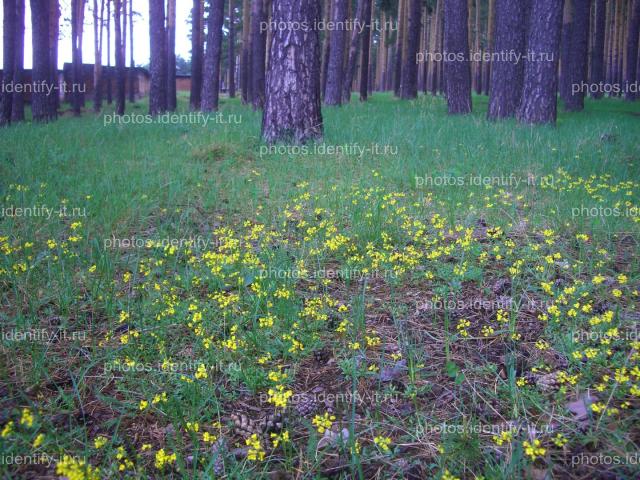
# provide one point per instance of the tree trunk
(42, 107)
(508, 72)
(539, 94)
(335, 67)
(409, 84)
(326, 44)
(366, 51)
(633, 30)
(435, 28)
(8, 60)
(578, 61)
(597, 51)
(196, 56)
(478, 64)
(172, 99)
(17, 104)
(132, 63)
(292, 112)
(97, 54)
(54, 34)
(119, 52)
(108, 72)
(232, 50)
(245, 60)
(354, 49)
(457, 65)
(486, 72)
(211, 77)
(565, 50)
(157, 35)
(258, 52)
(397, 68)
(77, 74)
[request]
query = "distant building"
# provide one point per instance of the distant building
(141, 81)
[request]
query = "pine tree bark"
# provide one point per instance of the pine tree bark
(578, 61)
(486, 71)
(508, 72)
(232, 49)
(366, 51)
(335, 68)
(597, 51)
(97, 54)
(17, 103)
(477, 74)
(8, 60)
(633, 30)
(108, 75)
(158, 37)
(119, 52)
(292, 110)
(258, 52)
(42, 107)
(539, 94)
(77, 24)
(172, 98)
(354, 48)
(245, 60)
(195, 95)
(565, 50)
(132, 63)
(211, 77)
(409, 84)
(397, 67)
(457, 65)
(326, 44)
(435, 29)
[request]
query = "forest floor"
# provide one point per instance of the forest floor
(419, 297)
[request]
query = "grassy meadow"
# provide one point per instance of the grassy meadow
(420, 296)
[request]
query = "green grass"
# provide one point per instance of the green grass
(436, 388)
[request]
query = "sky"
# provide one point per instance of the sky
(140, 34)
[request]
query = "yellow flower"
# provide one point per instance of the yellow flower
(201, 373)
(324, 422)
(163, 459)
(280, 438)
(382, 443)
(74, 469)
(256, 452)
(143, 405)
(39, 440)
(99, 442)
(533, 450)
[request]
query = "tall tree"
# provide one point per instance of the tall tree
(54, 33)
(409, 88)
(366, 49)
(490, 48)
(8, 60)
(245, 58)
(400, 34)
(597, 50)
(477, 71)
(258, 52)
(172, 100)
(132, 63)
(119, 52)
(77, 27)
(17, 104)
(354, 48)
(157, 35)
(565, 50)
(196, 56)
(43, 109)
(507, 73)
(578, 61)
(539, 93)
(292, 111)
(335, 67)
(97, 54)
(435, 33)
(326, 45)
(457, 65)
(211, 77)
(633, 30)
(108, 73)
(232, 49)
